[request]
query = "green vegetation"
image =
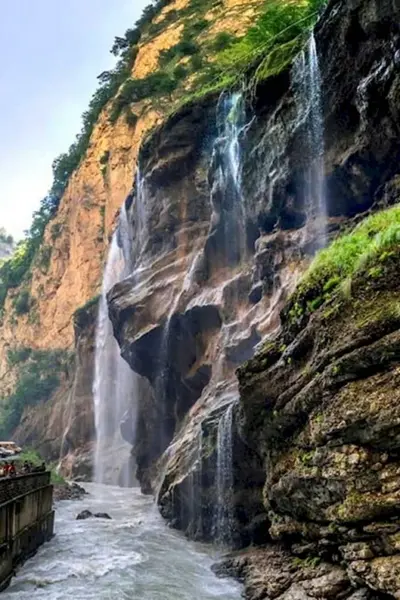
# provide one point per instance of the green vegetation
(105, 157)
(131, 118)
(180, 72)
(81, 313)
(55, 231)
(186, 47)
(32, 456)
(16, 269)
(223, 41)
(364, 249)
(22, 302)
(39, 373)
(267, 48)
(44, 257)
(310, 562)
(273, 42)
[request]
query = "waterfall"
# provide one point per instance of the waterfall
(223, 518)
(225, 170)
(125, 241)
(308, 84)
(115, 384)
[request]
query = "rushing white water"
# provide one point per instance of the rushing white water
(307, 78)
(135, 556)
(224, 509)
(114, 387)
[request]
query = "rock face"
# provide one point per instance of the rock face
(313, 456)
(320, 408)
(208, 281)
(273, 573)
(64, 426)
(76, 240)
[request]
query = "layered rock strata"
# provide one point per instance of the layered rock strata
(206, 288)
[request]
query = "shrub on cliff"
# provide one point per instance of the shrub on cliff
(223, 41)
(186, 47)
(134, 90)
(22, 302)
(14, 269)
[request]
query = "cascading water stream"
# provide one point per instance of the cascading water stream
(308, 82)
(226, 194)
(223, 518)
(232, 127)
(115, 384)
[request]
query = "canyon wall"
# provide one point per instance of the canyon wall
(265, 413)
(67, 272)
(304, 453)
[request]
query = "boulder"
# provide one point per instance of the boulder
(85, 514)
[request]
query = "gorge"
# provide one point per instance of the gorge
(239, 355)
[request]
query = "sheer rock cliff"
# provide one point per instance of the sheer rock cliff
(67, 272)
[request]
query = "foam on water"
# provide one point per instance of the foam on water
(134, 556)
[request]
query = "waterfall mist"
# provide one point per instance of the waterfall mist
(115, 384)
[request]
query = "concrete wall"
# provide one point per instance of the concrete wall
(26, 519)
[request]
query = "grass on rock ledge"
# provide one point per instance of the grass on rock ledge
(364, 249)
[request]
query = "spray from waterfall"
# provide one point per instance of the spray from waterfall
(224, 516)
(307, 80)
(115, 384)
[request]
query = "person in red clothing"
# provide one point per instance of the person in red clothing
(11, 470)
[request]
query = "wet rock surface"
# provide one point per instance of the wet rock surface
(204, 292)
(271, 573)
(321, 408)
(315, 433)
(68, 491)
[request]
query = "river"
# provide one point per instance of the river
(135, 556)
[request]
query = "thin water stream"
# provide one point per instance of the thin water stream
(135, 556)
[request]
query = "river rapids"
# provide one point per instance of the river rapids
(135, 556)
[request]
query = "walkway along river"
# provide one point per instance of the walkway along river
(135, 556)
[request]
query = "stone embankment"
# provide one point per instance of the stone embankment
(26, 520)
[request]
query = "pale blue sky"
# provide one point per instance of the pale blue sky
(50, 54)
